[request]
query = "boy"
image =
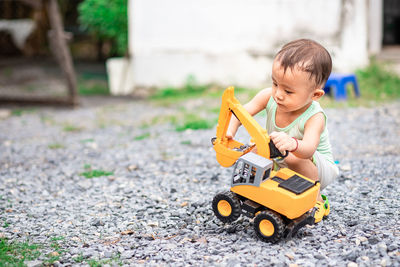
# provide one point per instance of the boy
(295, 121)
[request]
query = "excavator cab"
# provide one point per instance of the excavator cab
(251, 169)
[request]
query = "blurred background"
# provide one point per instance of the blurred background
(62, 51)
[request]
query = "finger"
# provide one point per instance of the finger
(278, 139)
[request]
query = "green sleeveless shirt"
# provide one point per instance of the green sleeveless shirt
(296, 128)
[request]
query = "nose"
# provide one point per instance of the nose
(279, 94)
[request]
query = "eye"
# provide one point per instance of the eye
(274, 84)
(288, 92)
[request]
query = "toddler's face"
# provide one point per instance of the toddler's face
(293, 90)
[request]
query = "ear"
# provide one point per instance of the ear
(318, 93)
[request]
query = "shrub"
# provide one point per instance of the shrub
(106, 20)
(378, 81)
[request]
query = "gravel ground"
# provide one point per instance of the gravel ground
(155, 209)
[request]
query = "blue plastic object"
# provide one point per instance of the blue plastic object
(337, 84)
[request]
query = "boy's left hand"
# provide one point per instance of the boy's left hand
(283, 141)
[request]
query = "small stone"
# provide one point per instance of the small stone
(4, 113)
(373, 240)
(290, 256)
(98, 222)
(127, 254)
(35, 263)
(127, 232)
(382, 248)
(152, 224)
(107, 254)
(362, 239)
(352, 264)
(352, 223)
(385, 262)
(54, 254)
(345, 167)
(365, 258)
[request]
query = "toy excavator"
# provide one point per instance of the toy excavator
(281, 202)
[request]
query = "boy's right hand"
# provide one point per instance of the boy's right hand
(229, 135)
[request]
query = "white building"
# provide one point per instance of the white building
(233, 41)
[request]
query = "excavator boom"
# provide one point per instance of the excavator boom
(229, 150)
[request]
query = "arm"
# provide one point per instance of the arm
(306, 147)
(258, 103)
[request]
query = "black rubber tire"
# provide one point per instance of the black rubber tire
(234, 202)
(277, 222)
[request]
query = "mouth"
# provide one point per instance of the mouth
(279, 104)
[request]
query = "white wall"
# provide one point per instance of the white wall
(234, 41)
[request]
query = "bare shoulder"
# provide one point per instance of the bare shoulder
(316, 122)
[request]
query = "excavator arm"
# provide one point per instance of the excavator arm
(229, 150)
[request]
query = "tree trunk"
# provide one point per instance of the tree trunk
(58, 44)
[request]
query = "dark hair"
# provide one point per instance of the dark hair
(309, 56)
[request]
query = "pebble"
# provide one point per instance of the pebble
(155, 209)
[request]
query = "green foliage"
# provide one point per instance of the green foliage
(15, 253)
(106, 20)
(378, 82)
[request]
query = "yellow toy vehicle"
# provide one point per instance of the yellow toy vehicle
(281, 202)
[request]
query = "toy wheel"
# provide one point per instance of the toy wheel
(269, 226)
(226, 206)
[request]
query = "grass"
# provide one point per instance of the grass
(378, 81)
(20, 112)
(72, 128)
(191, 89)
(94, 173)
(91, 89)
(15, 253)
(142, 137)
(5, 224)
(79, 258)
(90, 84)
(57, 252)
(89, 140)
(56, 146)
(194, 122)
(97, 263)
